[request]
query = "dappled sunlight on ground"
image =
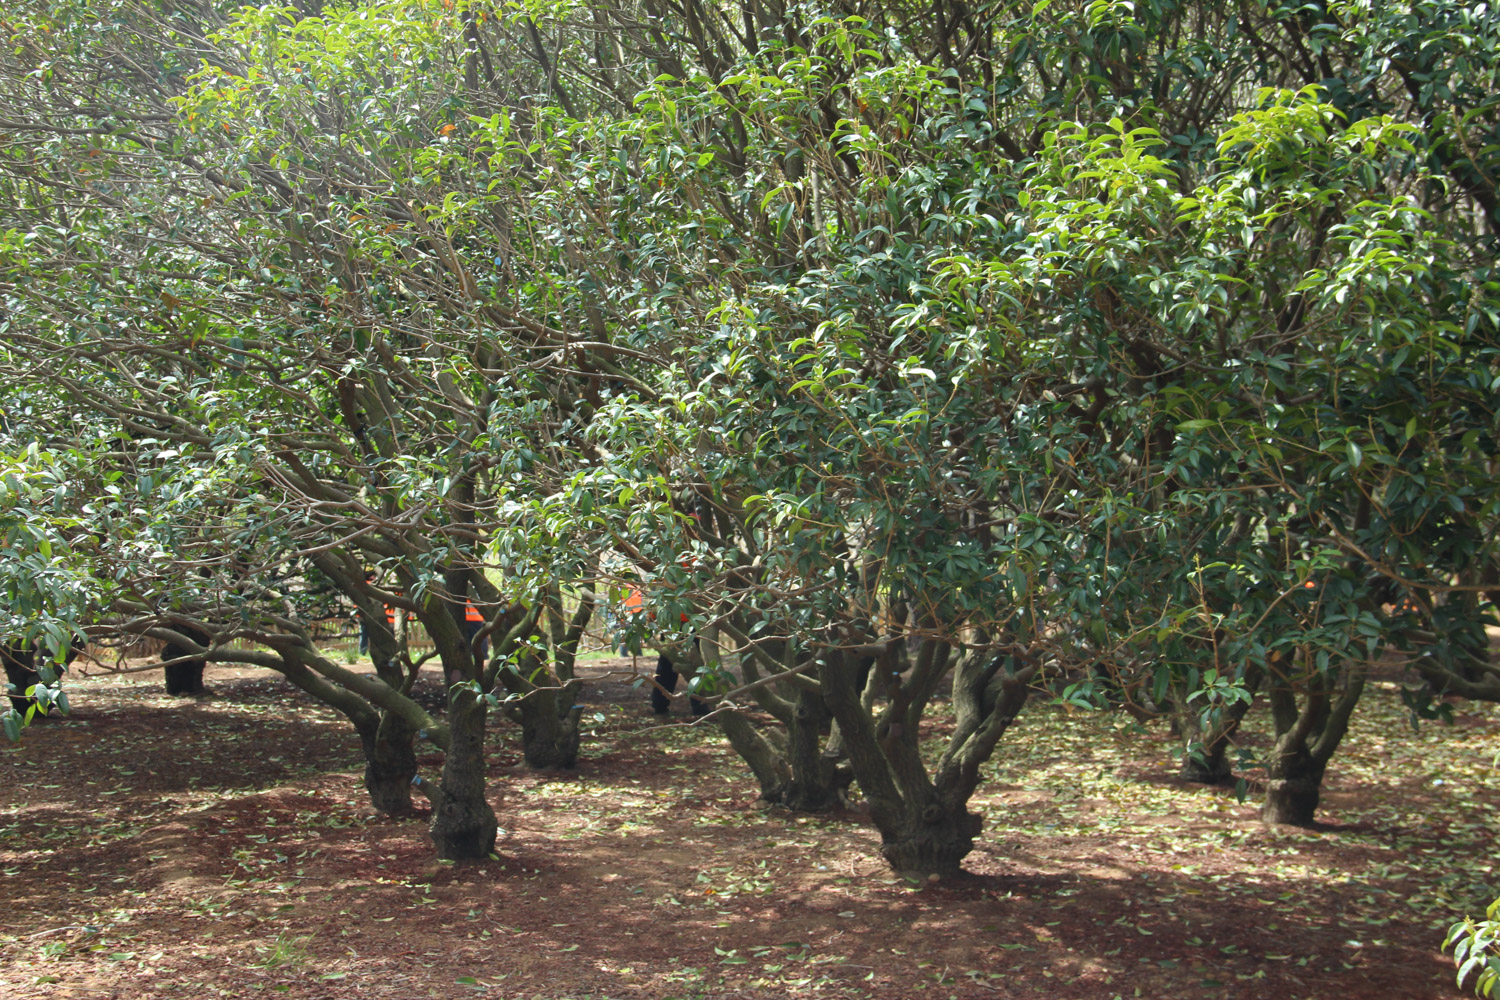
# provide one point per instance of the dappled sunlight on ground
(156, 847)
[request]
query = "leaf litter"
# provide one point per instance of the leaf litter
(222, 847)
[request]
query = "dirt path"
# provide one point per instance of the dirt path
(160, 848)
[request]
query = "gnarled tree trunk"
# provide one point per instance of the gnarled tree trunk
(1306, 738)
(932, 839)
(386, 735)
(1294, 789)
(799, 766)
(549, 721)
(925, 826)
(390, 764)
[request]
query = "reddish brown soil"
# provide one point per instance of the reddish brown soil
(222, 847)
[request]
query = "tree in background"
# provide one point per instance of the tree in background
(45, 592)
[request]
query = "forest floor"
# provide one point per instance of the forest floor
(153, 847)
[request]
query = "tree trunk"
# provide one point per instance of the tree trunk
(390, 752)
(1206, 765)
(793, 769)
(21, 674)
(542, 693)
(766, 759)
(549, 728)
(1306, 741)
(817, 783)
(390, 765)
(463, 824)
(924, 833)
(1204, 756)
(1294, 788)
(796, 766)
(932, 841)
(185, 678)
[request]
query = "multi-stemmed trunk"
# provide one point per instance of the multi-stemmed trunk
(383, 713)
(925, 824)
(387, 732)
(1307, 736)
(794, 767)
(799, 765)
(542, 695)
(381, 708)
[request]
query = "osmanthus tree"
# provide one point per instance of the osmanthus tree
(307, 354)
(1282, 288)
(1285, 334)
(937, 340)
(1224, 300)
(45, 593)
(852, 464)
(853, 208)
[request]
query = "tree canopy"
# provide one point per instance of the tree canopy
(1148, 349)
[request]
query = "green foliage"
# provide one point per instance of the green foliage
(1476, 951)
(1149, 342)
(45, 592)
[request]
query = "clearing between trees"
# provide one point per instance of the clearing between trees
(158, 848)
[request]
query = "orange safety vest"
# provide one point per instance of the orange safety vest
(635, 603)
(471, 614)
